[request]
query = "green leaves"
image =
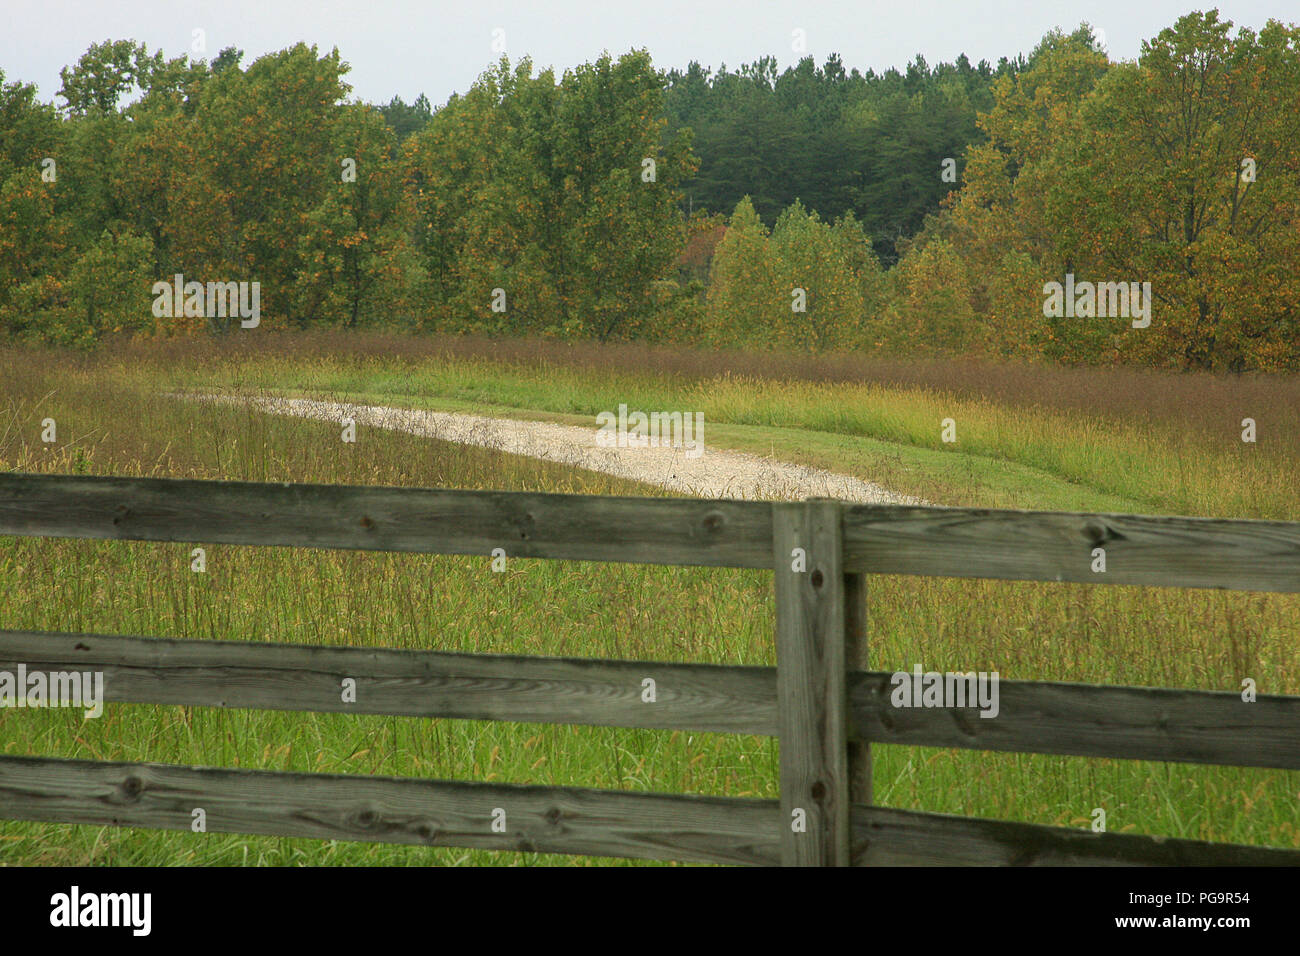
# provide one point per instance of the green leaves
(105, 73)
(838, 141)
(810, 285)
(537, 187)
(1153, 186)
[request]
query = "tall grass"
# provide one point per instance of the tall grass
(112, 419)
(1170, 444)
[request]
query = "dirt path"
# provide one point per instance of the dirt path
(714, 473)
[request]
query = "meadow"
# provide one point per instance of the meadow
(1027, 437)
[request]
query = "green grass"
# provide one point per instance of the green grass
(1006, 454)
(112, 420)
(932, 474)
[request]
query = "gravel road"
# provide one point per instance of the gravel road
(706, 473)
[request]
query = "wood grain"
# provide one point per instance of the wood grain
(679, 531)
(1139, 723)
(698, 697)
(856, 659)
(810, 684)
(1133, 723)
(1057, 546)
(391, 810)
(551, 819)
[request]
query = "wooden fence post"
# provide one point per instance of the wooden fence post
(855, 658)
(810, 681)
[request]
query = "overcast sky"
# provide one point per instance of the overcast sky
(403, 47)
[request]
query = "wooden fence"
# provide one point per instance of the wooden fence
(820, 701)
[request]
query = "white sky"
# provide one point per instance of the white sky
(405, 48)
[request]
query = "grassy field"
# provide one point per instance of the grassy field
(1030, 438)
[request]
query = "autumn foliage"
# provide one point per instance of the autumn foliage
(565, 205)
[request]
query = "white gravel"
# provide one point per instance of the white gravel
(714, 473)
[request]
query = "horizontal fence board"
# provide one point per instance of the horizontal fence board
(1135, 723)
(676, 531)
(375, 809)
(880, 539)
(883, 836)
(697, 697)
(1091, 720)
(1056, 546)
(549, 819)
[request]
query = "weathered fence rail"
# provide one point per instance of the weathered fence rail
(821, 702)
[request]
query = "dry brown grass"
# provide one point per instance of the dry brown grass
(1181, 400)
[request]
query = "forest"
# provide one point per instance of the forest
(922, 211)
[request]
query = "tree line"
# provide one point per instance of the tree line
(817, 208)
